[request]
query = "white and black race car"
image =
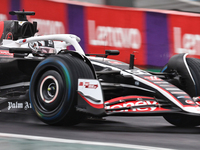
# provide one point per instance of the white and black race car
(64, 86)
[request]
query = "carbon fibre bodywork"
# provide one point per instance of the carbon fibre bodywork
(138, 92)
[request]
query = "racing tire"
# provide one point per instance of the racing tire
(181, 120)
(184, 120)
(194, 66)
(53, 89)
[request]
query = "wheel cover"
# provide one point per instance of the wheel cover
(49, 89)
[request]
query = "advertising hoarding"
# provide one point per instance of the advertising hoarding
(111, 29)
(184, 34)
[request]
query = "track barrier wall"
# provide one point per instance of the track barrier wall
(152, 35)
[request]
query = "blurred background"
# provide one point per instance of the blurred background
(182, 5)
(154, 30)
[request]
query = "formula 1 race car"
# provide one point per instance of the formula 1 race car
(65, 86)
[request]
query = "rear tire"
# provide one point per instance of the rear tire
(184, 120)
(53, 89)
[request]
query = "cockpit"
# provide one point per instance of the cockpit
(41, 48)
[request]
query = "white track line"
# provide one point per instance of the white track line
(59, 140)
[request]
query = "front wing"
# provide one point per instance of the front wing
(91, 101)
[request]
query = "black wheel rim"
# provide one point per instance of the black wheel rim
(49, 89)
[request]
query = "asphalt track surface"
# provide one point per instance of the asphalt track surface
(146, 131)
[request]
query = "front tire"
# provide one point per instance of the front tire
(53, 89)
(179, 119)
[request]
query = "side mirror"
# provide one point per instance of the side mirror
(107, 53)
(111, 52)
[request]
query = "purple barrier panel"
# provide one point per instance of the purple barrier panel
(157, 39)
(15, 6)
(76, 22)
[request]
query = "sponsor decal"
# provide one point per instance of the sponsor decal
(135, 103)
(152, 78)
(189, 101)
(183, 97)
(172, 89)
(137, 83)
(81, 84)
(115, 62)
(88, 85)
(161, 82)
(16, 105)
(140, 72)
(27, 105)
(24, 40)
(178, 92)
(6, 52)
(9, 36)
(167, 85)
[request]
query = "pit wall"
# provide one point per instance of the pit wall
(153, 35)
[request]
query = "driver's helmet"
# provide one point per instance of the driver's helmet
(40, 48)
